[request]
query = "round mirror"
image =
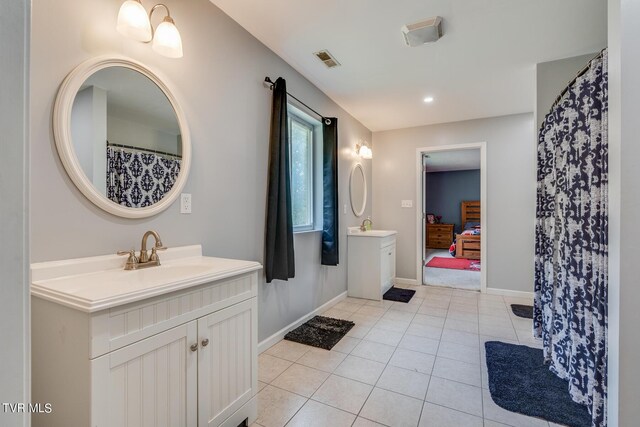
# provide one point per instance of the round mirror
(122, 137)
(358, 190)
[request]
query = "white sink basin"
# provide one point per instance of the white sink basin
(355, 231)
(97, 283)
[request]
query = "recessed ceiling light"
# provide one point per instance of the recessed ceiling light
(428, 99)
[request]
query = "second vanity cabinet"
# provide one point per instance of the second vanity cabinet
(185, 357)
(371, 267)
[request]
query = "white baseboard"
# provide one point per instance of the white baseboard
(403, 281)
(268, 342)
(509, 293)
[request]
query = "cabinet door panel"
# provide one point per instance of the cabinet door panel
(226, 370)
(150, 383)
(387, 266)
(392, 262)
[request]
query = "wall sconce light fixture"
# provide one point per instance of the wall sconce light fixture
(134, 23)
(364, 151)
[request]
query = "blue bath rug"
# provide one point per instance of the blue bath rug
(520, 381)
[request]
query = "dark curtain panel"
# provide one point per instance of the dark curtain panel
(330, 254)
(279, 255)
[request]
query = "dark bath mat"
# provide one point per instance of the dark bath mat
(525, 311)
(399, 294)
(520, 381)
(322, 332)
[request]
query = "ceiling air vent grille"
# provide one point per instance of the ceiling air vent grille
(327, 58)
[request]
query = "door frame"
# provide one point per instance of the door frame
(420, 195)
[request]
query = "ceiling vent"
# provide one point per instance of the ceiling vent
(327, 58)
(427, 31)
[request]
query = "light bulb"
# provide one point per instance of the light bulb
(428, 99)
(166, 40)
(133, 21)
(365, 152)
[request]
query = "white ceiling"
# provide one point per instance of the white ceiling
(458, 160)
(482, 67)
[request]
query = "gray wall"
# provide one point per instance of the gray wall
(219, 85)
(140, 134)
(510, 199)
(89, 134)
(551, 79)
(446, 190)
(14, 225)
(624, 204)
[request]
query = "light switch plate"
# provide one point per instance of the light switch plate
(407, 203)
(185, 203)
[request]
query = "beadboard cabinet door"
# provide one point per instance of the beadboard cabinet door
(227, 372)
(387, 266)
(152, 383)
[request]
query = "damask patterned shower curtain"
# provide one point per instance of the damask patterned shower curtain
(139, 179)
(570, 310)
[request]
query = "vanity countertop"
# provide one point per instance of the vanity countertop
(357, 232)
(98, 283)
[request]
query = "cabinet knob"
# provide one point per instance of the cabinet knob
(205, 342)
(194, 347)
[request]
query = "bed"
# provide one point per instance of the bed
(468, 242)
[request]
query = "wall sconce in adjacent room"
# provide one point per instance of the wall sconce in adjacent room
(364, 151)
(134, 23)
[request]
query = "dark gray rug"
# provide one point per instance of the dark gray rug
(520, 381)
(399, 294)
(321, 332)
(525, 311)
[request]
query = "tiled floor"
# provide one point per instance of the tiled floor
(417, 364)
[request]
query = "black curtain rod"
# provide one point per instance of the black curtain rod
(270, 82)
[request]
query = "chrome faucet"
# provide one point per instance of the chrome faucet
(144, 260)
(363, 226)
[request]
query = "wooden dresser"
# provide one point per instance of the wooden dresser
(439, 236)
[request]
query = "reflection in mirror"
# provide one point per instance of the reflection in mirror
(358, 190)
(126, 136)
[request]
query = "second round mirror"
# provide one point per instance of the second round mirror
(358, 190)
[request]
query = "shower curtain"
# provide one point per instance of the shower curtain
(570, 309)
(139, 179)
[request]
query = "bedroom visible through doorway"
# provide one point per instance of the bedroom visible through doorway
(451, 227)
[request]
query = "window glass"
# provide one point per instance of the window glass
(301, 137)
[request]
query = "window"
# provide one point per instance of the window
(302, 133)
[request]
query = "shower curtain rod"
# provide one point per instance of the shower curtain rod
(147, 150)
(580, 73)
(268, 81)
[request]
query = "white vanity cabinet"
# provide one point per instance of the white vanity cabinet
(182, 355)
(150, 382)
(371, 262)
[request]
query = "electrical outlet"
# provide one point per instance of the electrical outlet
(185, 203)
(407, 203)
(344, 209)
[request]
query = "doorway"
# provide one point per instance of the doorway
(451, 222)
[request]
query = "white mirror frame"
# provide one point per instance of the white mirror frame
(358, 211)
(64, 144)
